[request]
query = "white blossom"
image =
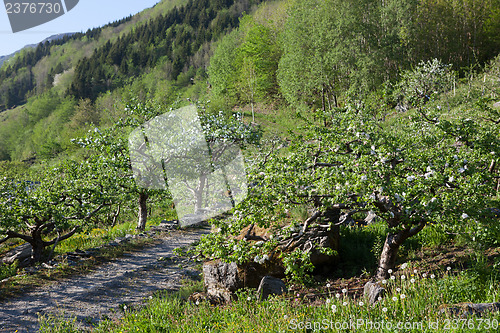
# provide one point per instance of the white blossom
(410, 178)
(465, 215)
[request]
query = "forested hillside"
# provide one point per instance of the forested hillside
(59, 82)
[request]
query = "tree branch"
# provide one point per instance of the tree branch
(60, 239)
(12, 234)
(311, 219)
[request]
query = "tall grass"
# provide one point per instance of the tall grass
(413, 300)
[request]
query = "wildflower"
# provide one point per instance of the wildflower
(328, 285)
(337, 295)
(197, 302)
(249, 298)
(398, 289)
(393, 277)
(361, 303)
(455, 157)
(424, 275)
(384, 309)
(344, 291)
(389, 271)
(415, 271)
(403, 296)
(384, 281)
(394, 298)
(461, 170)
(448, 268)
(433, 276)
(403, 266)
(285, 317)
(328, 300)
(410, 178)
(364, 177)
(464, 215)
(451, 179)
(334, 308)
(403, 277)
(344, 304)
(379, 298)
(412, 280)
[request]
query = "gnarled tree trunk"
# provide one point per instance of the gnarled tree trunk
(143, 210)
(390, 250)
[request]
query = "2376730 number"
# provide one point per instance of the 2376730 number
(33, 8)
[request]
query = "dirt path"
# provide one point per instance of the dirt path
(125, 281)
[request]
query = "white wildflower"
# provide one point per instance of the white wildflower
(394, 298)
(344, 304)
(403, 266)
(465, 215)
(384, 309)
(403, 277)
(410, 178)
(403, 296)
(361, 303)
(344, 291)
(389, 271)
(337, 295)
(412, 280)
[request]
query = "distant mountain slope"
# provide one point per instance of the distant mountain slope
(48, 39)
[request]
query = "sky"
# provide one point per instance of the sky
(87, 14)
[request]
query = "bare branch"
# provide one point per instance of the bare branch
(60, 239)
(311, 219)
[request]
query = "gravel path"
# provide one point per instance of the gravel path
(127, 280)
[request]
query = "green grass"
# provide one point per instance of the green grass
(414, 299)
